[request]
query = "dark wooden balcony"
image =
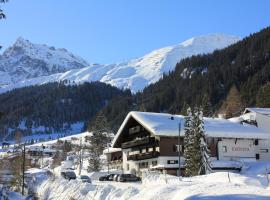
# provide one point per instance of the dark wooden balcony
(138, 142)
(143, 156)
(115, 162)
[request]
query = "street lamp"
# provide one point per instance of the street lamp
(179, 150)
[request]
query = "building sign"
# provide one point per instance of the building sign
(242, 149)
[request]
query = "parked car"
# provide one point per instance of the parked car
(85, 179)
(68, 175)
(128, 177)
(108, 177)
(115, 177)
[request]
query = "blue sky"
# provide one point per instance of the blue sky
(107, 31)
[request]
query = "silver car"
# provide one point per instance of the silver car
(85, 179)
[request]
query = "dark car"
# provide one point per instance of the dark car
(128, 177)
(108, 177)
(68, 175)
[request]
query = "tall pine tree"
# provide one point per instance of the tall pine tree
(98, 140)
(204, 150)
(263, 96)
(233, 104)
(188, 143)
(196, 150)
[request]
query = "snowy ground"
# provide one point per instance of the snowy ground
(251, 184)
(9, 195)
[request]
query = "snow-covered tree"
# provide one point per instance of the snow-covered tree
(188, 143)
(94, 162)
(205, 165)
(196, 150)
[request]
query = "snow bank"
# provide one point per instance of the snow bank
(6, 194)
(63, 189)
(220, 185)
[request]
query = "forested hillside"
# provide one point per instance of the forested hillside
(53, 107)
(243, 69)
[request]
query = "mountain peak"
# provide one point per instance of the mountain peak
(220, 39)
(21, 42)
(24, 60)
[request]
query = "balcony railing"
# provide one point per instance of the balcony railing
(115, 162)
(137, 142)
(143, 156)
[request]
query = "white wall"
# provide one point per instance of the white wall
(236, 150)
(263, 145)
(263, 122)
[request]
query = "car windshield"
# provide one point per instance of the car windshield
(70, 173)
(84, 177)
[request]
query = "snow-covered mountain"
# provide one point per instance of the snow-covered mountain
(25, 60)
(135, 74)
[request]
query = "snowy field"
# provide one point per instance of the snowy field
(251, 184)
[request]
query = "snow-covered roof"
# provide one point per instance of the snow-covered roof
(39, 148)
(161, 124)
(111, 150)
(263, 111)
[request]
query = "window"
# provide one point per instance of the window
(224, 149)
(143, 165)
(263, 150)
(135, 129)
(127, 167)
(150, 149)
(154, 163)
(143, 150)
(257, 156)
(157, 149)
(177, 147)
(172, 161)
(256, 142)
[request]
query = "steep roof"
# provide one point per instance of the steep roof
(263, 111)
(162, 124)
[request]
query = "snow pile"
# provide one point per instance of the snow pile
(251, 184)
(214, 186)
(6, 194)
(64, 189)
(135, 74)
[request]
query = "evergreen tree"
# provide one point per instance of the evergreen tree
(98, 141)
(94, 162)
(185, 109)
(263, 96)
(196, 156)
(233, 104)
(196, 151)
(204, 150)
(188, 143)
(207, 106)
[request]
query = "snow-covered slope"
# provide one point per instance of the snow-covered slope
(24, 60)
(137, 73)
